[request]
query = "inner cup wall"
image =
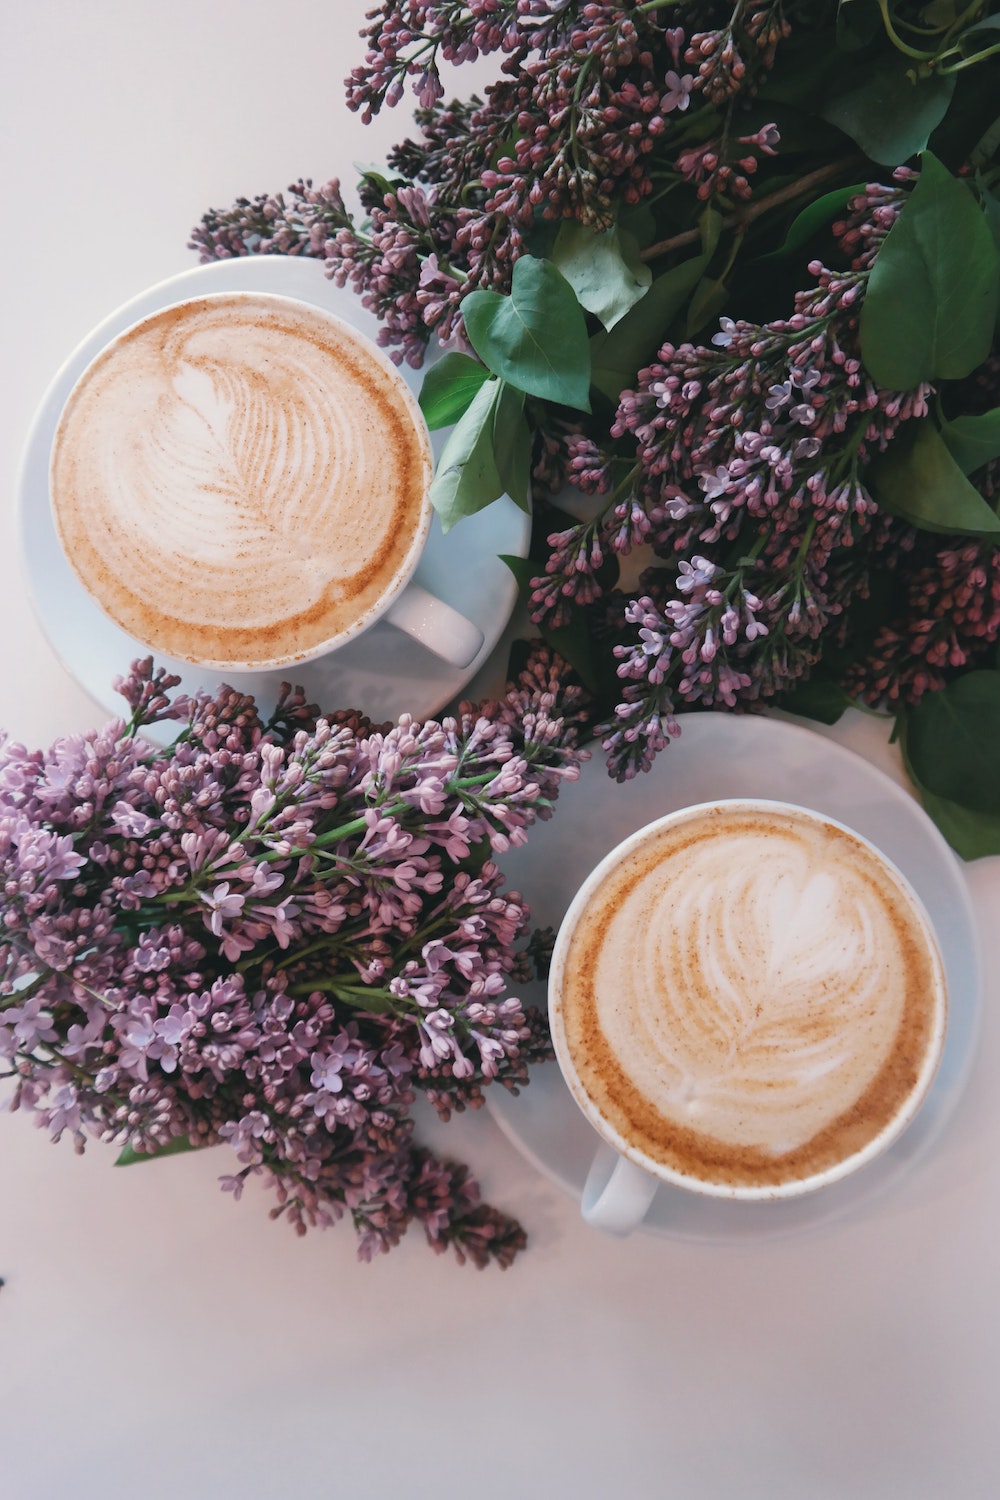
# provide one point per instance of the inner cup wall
(241, 481)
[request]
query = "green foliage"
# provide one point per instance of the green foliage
(889, 112)
(980, 37)
(973, 835)
(512, 445)
(952, 740)
(603, 268)
(932, 297)
(973, 440)
(449, 388)
(589, 309)
(820, 698)
(536, 339)
(467, 479)
(573, 642)
(814, 217)
(918, 479)
(617, 355)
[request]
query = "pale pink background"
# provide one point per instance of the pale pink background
(158, 1341)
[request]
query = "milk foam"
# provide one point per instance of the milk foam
(744, 990)
(239, 479)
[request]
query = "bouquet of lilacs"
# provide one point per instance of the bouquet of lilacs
(276, 935)
(719, 287)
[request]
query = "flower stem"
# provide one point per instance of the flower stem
(756, 210)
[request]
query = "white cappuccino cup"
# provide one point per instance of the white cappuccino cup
(747, 1000)
(241, 481)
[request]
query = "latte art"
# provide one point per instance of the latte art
(749, 997)
(241, 479)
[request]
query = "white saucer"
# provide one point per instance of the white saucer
(722, 755)
(383, 672)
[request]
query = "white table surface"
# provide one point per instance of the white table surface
(157, 1340)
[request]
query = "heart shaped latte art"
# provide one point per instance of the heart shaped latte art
(240, 479)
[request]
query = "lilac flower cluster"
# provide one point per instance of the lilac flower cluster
(949, 617)
(406, 37)
(300, 223)
(748, 478)
(951, 620)
(274, 934)
(599, 103)
(737, 470)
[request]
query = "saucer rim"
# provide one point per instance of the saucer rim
(711, 736)
(95, 638)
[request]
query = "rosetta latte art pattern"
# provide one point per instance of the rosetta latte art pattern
(240, 479)
(764, 988)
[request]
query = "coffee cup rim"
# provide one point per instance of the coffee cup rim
(312, 311)
(606, 1129)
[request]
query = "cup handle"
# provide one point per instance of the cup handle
(436, 625)
(617, 1193)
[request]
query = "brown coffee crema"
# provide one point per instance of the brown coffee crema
(240, 480)
(749, 998)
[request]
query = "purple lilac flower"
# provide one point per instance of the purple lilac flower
(266, 936)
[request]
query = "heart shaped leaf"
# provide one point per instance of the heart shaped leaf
(932, 296)
(603, 268)
(889, 113)
(536, 339)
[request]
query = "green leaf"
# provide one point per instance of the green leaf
(973, 440)
(932, 296)
(917, 479)
(804, 67)
(971, 834)
(604, 269)
(512, 445)
(817, 215)
(467, 478)
(820, 698)
(127, 1157)
(858, 24)
(633, 343)
(640, 222)
(952, 738)
(991, 209)
(710, 223)
(574, 641)
(706, 304)
(378, 177)
(880, 106)
(536, 339)
(524, 569)
(986, 148)
(449, 387)
(575, 644)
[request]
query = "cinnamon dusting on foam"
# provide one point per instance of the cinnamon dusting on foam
(749, 998)
(239, 480)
